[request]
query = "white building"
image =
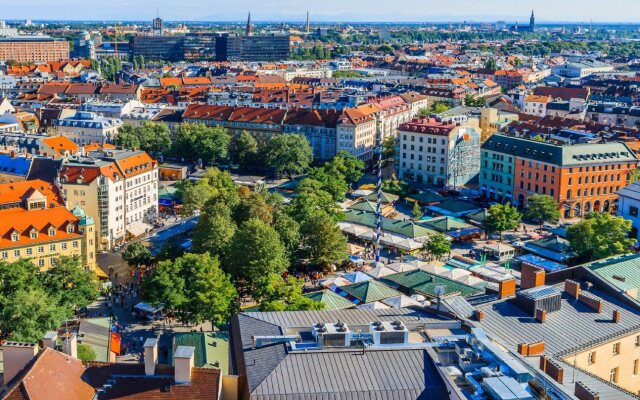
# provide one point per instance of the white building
(629, 206)
(356, 133)
(438, 153)
(87, 127)
(581, 69)
(536, 105)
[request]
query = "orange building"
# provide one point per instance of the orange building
(33, 49)
(580, 177)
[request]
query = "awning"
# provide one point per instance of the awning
(139, 228)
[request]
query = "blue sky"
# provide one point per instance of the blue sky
(327, 10)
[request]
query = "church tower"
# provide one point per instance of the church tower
(249, 30)
(532, 22)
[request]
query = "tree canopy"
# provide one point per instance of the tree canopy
(542, 208)
(502, 218)
(152, 137)
(286, 295)
(600, 235)
(194, 287)
(437, 245)
(196, 141)
(137, 254)
(289, 154)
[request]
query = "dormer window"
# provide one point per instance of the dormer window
(33, 234)
(52, 231)
(15, 236)
(70, 228)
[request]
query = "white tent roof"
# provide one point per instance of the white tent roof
(456, 273)
(434, 269)
(470, 280)
(379, 272)
(376, 305)
(401, 267)
(400, 302)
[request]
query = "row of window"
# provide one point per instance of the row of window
(39, 250)
(429, 140)
(33, 234)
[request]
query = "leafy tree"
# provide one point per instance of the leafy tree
(311, 199)
(86, 352)
(331, 180)
(137, 254)
(416, 211)
(280, 294)
(215, 229)
(289, 231)
(437, 245)
(68, 279)
(322, 242)
(170, 250)
(634, 175)
(289, 154)
(255, 252)
(198, 141)
(246, 152)
(502, 218)
(542, 208)
(600, 235)
(151, 137)
(491, 64)
(255, 205)
(194, 196)
(389, 146)
(194, 287)
(128, 137)
(348, 165)
(440, 107)
(29, 313)
(214, 184)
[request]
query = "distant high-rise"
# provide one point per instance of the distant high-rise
(308, 29)
(532, 22)
(249, 30)
(158, 26)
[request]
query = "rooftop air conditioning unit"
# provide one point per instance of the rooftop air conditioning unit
(389, 332)
(332, 334)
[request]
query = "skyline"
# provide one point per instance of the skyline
(547, 11)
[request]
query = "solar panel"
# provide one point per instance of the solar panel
(540, 292)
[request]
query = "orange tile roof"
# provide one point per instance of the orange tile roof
(24, 221)
(61, 144)
(136, 164)
(537, 99)
(15, 192)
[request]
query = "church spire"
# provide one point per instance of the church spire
(249, 30)
(532, 21)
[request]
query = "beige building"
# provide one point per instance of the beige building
(357, 134)
(86, 127)
(35, 225)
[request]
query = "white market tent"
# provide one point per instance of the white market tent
(401, 302)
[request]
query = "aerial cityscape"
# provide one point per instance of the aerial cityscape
(283, 200)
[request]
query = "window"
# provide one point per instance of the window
(63, 246)
(613, 376)
(29, 251)
(637, 340)
(52, 231)
(636, 366)
(40, 249)
(4, 255)
(633, 211)
(41, 262)
(592, 357)
(15, 237)
(52, 247)
(616, 348)
(33, 234)
(16, 253)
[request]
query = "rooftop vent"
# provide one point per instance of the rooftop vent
(332, 334)
(389, 333)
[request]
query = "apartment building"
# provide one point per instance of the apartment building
(629, 207)
(581, 69)
(86, 127)
(33, 49)
(356, 134)
(118, 188)
(438, 153)
(318, 126)
(536, 105)
(581, 177)
(389, 112)
(35, 225)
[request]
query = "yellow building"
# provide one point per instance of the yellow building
(35, 225)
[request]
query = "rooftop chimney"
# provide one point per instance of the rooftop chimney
(572, 288)
(150, 356)
(531, 276)
(49, 339)
(507, 288)
(616, 316)
(70, 345)
(15, 357)
(183, 363)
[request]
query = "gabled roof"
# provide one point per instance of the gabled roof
(331, 300)
(369, 291)
(422, 282)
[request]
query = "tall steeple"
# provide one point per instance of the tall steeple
(308, 27)
(532, 22)
(249, 30)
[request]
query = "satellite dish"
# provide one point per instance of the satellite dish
(439, 290)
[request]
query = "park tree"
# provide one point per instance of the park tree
(68, 279)
(30, 313)
(502, 217)
(332, 181)
(254, 205)
(542, 208)
(246, 150)
(322, 242)
(389, 146)
(310, 199)
(600, 235)
(288, 154)
(128, 137)
(137, 254)
(194, 287)
(416, 211)
(437, 245)
(278, 294)
(255, 252)
(289, 231)
(348, 165)
(491, 64)
(197, 141)
(214, 184)
(152, 137)
(215, 229)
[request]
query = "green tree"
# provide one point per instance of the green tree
(128, 137)
(416, 211)
(491, 64)
(246, 152)
(254, 205)
(214, 184)
(437, 245)
(289, 154)
(600, 235)
(280, 294)
(30, 313)
(502, 218)
(389, 146)
(310, 199)
(331, 180)
(440, 107)
(215, 229)
(348, 165)
(542, 208)
(67, 279)
(289, 231)
(86, 352)
(322, 242)
(194, 287)
(194, 196)
(255, 252)
(634, 175)
(198, 141)
(137, 254)
(155, 137)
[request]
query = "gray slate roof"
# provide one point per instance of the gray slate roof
(274, 374)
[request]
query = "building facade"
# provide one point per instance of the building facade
(86, 127)
(33, 49)
(438, 153)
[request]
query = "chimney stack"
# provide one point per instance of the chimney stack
(49, 339)
(531, 276)
(183, 363)
(507, 288)
(572, 288)
(15, 357)
(150, 356)
(616, 316)
(70, 345)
